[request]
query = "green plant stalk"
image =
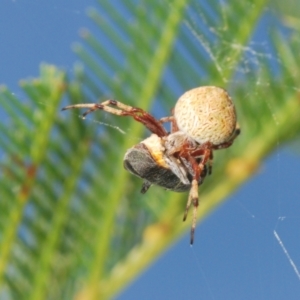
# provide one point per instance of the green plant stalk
(55, 79)
(151, 83)
(171, 226)
(42, 276)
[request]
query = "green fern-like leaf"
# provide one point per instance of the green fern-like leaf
(73, 222)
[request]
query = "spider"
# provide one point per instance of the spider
(203, 120)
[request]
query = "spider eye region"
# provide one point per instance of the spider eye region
(206, 114)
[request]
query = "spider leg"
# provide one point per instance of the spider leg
(120, 109)
(145, 187)
(206, 153)
(227, 144)
(195, 200)
(171, 119)
(191, 155)
(166, 119)
(193, 195)
(210, 162)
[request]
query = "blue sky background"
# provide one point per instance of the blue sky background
(236, 254)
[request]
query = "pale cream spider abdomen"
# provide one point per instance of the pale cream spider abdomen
(206, 114)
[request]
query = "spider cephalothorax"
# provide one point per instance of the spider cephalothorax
(203, 120)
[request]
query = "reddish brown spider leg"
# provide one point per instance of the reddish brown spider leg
(193, 195)
(171, 119)
(204, 150)
(147, 120)
(141, 116)
(194, 198)
(229, 143)
(210, 161)
(223, 146)
(117, 108)
(197, 168)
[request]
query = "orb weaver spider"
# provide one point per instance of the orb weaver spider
(203, 120)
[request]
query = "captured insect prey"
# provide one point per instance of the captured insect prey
(203, 120)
